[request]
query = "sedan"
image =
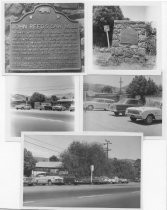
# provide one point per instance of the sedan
(98, 103)
(58, 108)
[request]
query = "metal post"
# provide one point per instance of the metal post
(108, 41)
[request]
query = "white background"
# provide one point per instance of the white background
(154, 151)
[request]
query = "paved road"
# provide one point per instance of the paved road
(111, 196)
(107, 121)
(36, 120)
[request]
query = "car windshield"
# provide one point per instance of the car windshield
(123, 101)
(96, 99)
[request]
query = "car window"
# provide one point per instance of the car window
(132, 102)
(107, 101)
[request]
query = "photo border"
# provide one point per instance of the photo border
(158, 70)
(79, 134)
(41, 73)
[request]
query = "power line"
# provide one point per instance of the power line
(43, 142)
(41, 146)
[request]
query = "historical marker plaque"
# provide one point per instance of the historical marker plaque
(129, 36)
(45, 40)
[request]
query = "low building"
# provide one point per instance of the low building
(49, 167)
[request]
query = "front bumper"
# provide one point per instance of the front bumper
(136, 116)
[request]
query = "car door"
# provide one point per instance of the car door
(41, 179)
(107, 104)
(99, 104)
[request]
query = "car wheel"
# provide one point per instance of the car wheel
(149, 119)
(133, 119)
(90, 107)
(116, 113)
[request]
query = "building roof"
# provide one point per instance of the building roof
(50, 164)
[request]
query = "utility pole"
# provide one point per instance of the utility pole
(120, 85)
(108, 142)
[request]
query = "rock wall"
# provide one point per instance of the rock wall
(129, 42)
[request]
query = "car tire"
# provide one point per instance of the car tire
(133, 119)
(116, 113)
(149, 119)
(90, 107)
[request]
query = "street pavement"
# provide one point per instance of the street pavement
(107, 195)
(107, 121)
(40, 120)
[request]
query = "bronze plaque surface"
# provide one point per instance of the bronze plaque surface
(45, 40)
(129, 36)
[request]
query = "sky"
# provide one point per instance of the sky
(47, 85)
(122, 147)
(113, 80)
(141, 13)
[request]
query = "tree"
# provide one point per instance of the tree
(37, 97)
(53, 158)
(121, 168)
(137, 166)
(107, 89)
(53, 99)
(104, 15)
(142, 87)
(152, 88)
(29, 162)
(79, 156)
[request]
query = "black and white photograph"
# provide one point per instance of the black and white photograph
(44, 37)
(123, 103)
(40, 104)
(125, 37)
(76, 170)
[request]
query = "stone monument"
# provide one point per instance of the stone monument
(129, 41)
(45, 40)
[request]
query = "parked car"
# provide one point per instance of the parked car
(29, 181)
(45, 106)
(72, 108)
(123, 181)
(82, 181)
(114, 180)
(123, 104)
(23, 107)
(69, 179)
(58, 108)
(148, 114)
(98, 103)
(99, 180)
(45, 179)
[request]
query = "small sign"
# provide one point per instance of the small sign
(92, 168)
(129, 36)
(106, 28)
